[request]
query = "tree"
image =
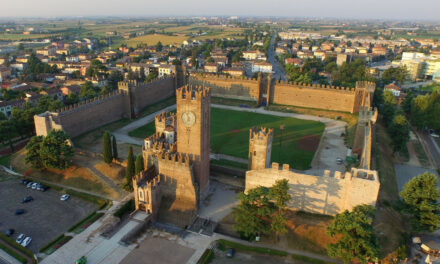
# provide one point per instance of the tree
(252, 211)
(399, 132)
(107, 148)
(33, 148)
(71, 98)
(159, 46)
(56, 150)
(262, 210)
(420, 194)
(358, 241)
(115, 148)
(7, 132)
(139, 166)
(88, 91)
(399, 75)
(129, 170)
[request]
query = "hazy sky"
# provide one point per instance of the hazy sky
(365, 9)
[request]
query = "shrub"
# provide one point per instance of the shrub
(128, 207)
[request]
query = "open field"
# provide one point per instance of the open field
(152, 39)
(295, 145)
(351, 119)
(306, 232)
(14, 37)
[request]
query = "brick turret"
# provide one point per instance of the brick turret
(260, 147)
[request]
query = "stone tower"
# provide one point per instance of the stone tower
(260, 148)
(193, 134)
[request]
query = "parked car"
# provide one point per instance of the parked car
(27, 199)
(26, 241)
(81, 260)
(10, 232)
(339, 161)
(29, 185)
(34, 185)
(20, 238)
(24, 182)
(64, 197)
(19, 211)
(231, 253)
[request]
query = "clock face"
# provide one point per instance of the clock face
(188, 118)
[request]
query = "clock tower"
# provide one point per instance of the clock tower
(193, 130)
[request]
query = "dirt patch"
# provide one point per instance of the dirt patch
(309, 142)
(235, 131)
(113, 171)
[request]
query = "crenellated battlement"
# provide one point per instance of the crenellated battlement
(87, 103)
(260, 133)
(176, 159)
(298, 85)
(367, 114)
(127, 84)
(192, 92)
(223, 77)
(363, 174)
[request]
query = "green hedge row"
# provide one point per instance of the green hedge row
(207, 257)
(128, 207)
(310, 260)
(88, 197)
(90, 218)
(17, 246)
(268, 251)
(13, 253)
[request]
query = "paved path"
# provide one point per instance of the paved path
(217, 156)
(122, 133)
(106, 180)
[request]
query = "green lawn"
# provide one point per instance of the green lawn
(230, 135)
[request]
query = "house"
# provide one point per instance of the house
(252, 54)
(6, 106)
(262, 67)
(4, 73)
(379, 50)
(294, 61)
(165, 69)
(394, 88)
(211, 67)
(66, 90)
(233, 71)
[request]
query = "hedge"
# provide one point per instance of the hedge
(88, 197)
(17, 246)
(207, 257)
(128, 207)
(306, 259)
(268, 251)
(90, 218)
(13, 254)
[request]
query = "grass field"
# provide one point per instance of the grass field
(230, 135)
(152, 39)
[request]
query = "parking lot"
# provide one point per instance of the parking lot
(45, 218)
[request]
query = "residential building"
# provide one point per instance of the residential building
(262, 67)
(211, 67)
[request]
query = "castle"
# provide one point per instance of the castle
(176, 157)
(176, 160)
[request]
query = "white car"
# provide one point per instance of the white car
(64, 197)
(35, 185)
(20, 238)
(26, 241)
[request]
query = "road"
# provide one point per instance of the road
(276, 67)
(431, 148)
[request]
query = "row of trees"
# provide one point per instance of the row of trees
(424, 110)
(133, 168)
(52, 151)
(393, 117)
